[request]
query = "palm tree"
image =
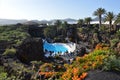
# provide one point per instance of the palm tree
(117, 21)
(109, 17)
(99, 12)
(58, 24)
(49, 32)
(80, 22)
(88, 20)
(64, 27)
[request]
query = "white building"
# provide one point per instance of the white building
(97, 22)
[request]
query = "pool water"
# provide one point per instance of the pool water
(55, 47)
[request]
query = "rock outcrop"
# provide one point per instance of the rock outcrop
(30, 50)
(117, 48)
(104, 75)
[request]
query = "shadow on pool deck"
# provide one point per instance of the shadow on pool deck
(104, 75)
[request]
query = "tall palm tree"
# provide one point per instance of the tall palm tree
(88, 20)
(99, 12)
(58, 24)
(80, 22)
(64, 27)
(109, 17)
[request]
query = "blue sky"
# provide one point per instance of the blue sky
(54, 9)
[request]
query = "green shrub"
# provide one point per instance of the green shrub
(13, 33)
(80, 29)
(114, 41)
(103, 28)
(3, 74)
(49, 32)
(10, 52)
(1, 69)
(46, 67)
(118, 33)
(112, 63)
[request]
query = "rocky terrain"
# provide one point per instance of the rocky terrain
(22, 58)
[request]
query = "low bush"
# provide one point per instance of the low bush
(10, 52)
(114, 41)
(46, 67)
(3, 74)
(112, 63)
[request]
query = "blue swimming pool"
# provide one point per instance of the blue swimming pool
(54, 47)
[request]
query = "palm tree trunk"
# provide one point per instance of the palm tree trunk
(110, 24)
(89, 24)
(99, 21)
